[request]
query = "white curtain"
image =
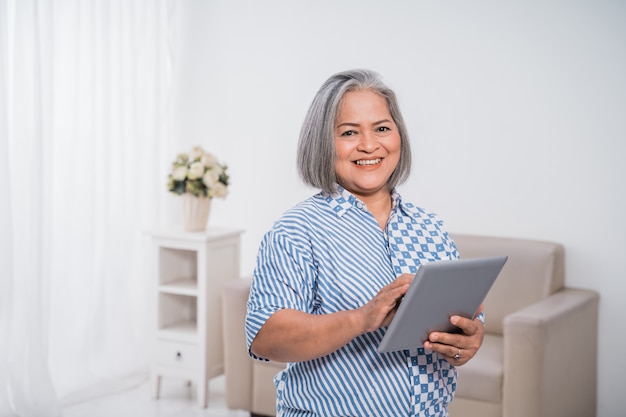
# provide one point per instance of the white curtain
(84, 151)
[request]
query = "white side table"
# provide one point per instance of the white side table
(190, 270)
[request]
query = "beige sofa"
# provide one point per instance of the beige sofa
(538, 358)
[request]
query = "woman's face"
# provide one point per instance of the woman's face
(367, 142)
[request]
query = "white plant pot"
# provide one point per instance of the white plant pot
(195, 212)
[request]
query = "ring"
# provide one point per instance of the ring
(458, 355)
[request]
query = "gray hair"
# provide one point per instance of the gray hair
(316, 147)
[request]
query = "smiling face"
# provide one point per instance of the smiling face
(367, 143)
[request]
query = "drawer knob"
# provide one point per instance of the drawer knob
(179, 355)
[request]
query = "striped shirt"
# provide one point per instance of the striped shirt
(329, 254)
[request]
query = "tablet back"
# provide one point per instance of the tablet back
(440, 290)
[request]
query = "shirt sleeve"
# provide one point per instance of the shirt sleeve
(284, 278)
(481, 318)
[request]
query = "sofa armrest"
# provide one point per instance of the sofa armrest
(549, 348)
(237, 362)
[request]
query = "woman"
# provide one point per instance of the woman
(331, 271)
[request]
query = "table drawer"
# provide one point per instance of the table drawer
(183, 355)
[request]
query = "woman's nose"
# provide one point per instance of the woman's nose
(368, 143)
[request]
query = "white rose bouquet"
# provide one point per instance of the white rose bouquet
(198, 173)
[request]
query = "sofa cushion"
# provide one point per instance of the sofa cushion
(481, 378)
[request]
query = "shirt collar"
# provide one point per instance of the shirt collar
(340, 201)
(343, 200)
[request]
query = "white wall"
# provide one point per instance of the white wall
(516, 110)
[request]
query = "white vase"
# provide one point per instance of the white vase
(195, 212)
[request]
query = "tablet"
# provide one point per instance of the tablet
(439, 290)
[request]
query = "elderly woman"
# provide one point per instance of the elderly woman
(330, 272)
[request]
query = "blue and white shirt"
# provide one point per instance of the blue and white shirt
(329, 254)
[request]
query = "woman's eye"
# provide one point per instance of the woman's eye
(348, 133)
(383, 129)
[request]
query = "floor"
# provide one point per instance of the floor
(177, 399)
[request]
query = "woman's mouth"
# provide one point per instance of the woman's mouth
(368, 161)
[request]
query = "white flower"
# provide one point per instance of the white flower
(219, 190)
(209, 160)
(196, 153)
(182, 158)
(211, 178)
(196, 170)
(179, 173)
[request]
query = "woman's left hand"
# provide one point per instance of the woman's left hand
(458, 348)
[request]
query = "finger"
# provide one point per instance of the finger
(468, 326)
(449, 351)
(404, 279)
(386, 301)
(453, 353)
(395, 291)
(446, 340)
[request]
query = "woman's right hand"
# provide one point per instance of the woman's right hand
(380, 310)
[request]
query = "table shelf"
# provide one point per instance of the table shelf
(182, 286)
